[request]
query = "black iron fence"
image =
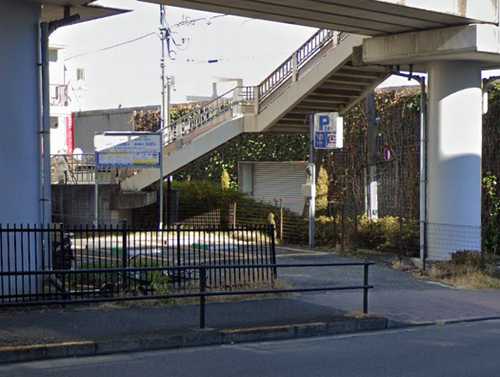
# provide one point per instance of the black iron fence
(52, 264)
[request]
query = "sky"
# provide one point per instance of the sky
(129, 75)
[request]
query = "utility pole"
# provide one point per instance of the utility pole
(165, 102)
(311, 174)
(372, 132)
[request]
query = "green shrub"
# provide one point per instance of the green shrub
(389, 235)
(206, 193)
(225, 180)
(326, 231)
(322, 191)
(491, 234)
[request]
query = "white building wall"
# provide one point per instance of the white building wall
(61, 101)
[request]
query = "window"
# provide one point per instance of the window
(54, 122)
(53, 55)
(80, 74)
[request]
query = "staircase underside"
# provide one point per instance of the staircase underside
(337, 93)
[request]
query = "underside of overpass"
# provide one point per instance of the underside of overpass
(366, 17)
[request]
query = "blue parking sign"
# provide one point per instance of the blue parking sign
(328, 131)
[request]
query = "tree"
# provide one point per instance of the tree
(322, 188)
(225, 180)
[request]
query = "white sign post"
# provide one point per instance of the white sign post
(327, 132)
(130, 150)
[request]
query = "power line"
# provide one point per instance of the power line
(119, 44)
(186, 21)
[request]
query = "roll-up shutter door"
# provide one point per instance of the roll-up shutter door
(280, 180)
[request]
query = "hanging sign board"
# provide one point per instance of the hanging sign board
(328, 131)
(134, 150)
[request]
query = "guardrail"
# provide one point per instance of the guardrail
(225, 103)
(73, 169)
(298, 59)
(51, 265)
(203, 291)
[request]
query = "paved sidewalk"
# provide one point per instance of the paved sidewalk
(103, 322)
(397, 295)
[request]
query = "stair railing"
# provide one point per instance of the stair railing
(291, 66)
(204, 114)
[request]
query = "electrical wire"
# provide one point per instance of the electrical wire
(184, 22)
(120, 44)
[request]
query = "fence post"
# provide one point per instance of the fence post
(234, 214)
(273, 250)
(124, 253)
(282, 219)
(365, 288)
(59, 259)
(203, 288)
(178, 244)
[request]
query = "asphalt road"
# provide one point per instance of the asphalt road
(397, 295)
(462, 350)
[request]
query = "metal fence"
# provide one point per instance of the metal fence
(51, 264)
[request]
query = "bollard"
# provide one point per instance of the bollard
(365, 288)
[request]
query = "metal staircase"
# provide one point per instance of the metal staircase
(319, 76)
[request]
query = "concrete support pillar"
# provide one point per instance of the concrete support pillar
(454, 158)
(19, 113)
(19, 144)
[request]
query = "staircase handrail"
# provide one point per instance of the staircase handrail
(297, 59)
(205, 113)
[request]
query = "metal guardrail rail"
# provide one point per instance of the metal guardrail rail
(225, 103)
(73, 169)
(298, 59)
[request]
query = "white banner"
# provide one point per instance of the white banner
(128, 151)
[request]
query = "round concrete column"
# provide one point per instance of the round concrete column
(19, 141)
(454, 158)
(19, 110)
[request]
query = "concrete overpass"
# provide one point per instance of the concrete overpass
(367, 17)
(452, 40)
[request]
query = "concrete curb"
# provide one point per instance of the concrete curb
(191, 338)
(440, 322)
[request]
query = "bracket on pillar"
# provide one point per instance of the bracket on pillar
(68, 19)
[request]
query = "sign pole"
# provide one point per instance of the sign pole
(312, 177)
(161, 180)
(326, 133)
(96, 199)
